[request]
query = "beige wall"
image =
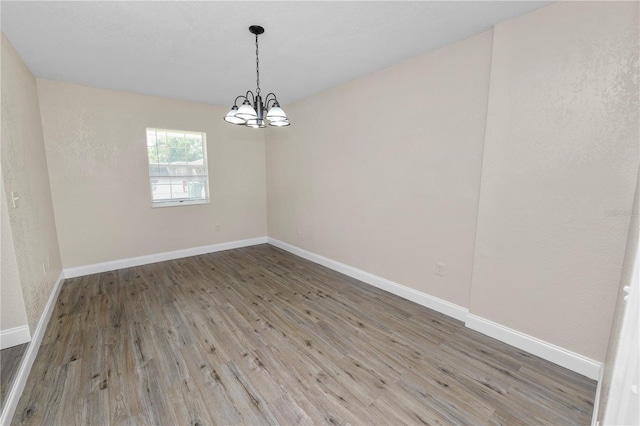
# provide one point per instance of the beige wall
(561, 151)
(12, 310)
(383, 173)
(97, 155)
(24, 170)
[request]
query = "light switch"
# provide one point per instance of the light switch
(14, 199)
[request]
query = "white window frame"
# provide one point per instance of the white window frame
(178, 201)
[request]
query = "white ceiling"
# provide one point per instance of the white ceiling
(203, 52)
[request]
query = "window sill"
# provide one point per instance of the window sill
(162, 204)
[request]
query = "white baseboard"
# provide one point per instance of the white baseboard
(13, 396)
(113, 265)
(563, 357)
(14, 337)
(442, 306)
(560, 356)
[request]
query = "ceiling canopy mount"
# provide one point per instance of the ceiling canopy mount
(256, 29)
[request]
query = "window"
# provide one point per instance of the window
(177, 167)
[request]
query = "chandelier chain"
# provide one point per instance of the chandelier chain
(257, 67)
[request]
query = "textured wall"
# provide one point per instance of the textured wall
(12, 310)
(560, 162)
(97, 151)
(383, 173)
(24, 170)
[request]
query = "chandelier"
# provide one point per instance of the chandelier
(252, 111)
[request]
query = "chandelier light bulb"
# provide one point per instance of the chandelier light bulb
(232, 118)
(246, 112)
(279, 123)
(276, 114)
(256, 123)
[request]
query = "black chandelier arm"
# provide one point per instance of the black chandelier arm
(273, 102)
(253, 98)
(235, 102)
(274, 99)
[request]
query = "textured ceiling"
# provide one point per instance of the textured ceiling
(203, 52)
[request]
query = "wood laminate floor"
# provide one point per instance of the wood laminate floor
(260, 336)
(10, 359)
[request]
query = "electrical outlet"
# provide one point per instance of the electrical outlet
(217, 228)
(440, 269)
